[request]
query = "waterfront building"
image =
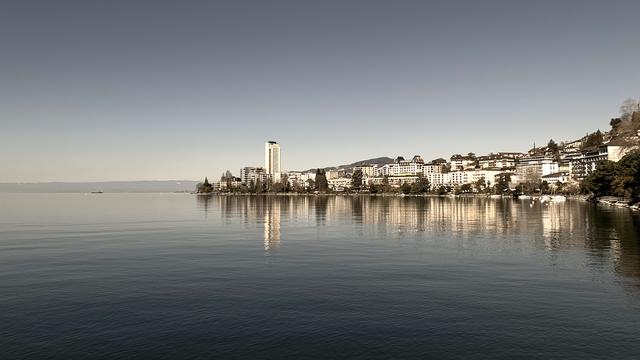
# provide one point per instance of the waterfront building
(294, 177)
(306, 176)
(511, 155)
(554, 178)
(339, 184)
(300, 178)
(393, 181)
(439, 179)
(384, 170)
(272, 162)
(463, 162)
(533, 168)
(402, 167)
(409, 168)
(229, 183)
(367, 170)
(433, 167)
(583, 163)
(461, 177)
(335, 173)
(496, 161)
(250, 174)
(488, 175)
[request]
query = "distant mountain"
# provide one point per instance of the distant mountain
(349, 167)
(105, 186)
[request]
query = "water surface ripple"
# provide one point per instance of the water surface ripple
(163, 276)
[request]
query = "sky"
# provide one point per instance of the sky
(148, 90)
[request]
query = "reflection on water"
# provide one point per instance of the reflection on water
(315, 277)
(609, 234)
(272, 225)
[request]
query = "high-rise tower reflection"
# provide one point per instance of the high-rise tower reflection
(271, 222)
(474, 223)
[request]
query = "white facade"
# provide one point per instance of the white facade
(339, 183)
(402, 167)
(394, 181)
(489, 175)
(460, 162)
(334, 174)
(535, 167)
(584, 163)
(438, 179)
(431, 168)
(249, 174)
(496, 161)
(301, 178)
(272, 159)
(556, 177)
(463, 177)
(367, 170)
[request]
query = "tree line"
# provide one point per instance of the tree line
(620, 178)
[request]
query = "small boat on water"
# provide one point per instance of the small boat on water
(96, 192)
(545, 198)
(496, 196)
(558, 198)
(524, 197)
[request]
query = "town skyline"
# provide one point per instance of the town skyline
(256, 162)
(580, 165)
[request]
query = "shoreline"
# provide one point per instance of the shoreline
(617, 202)
(488, 196)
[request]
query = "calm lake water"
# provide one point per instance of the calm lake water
(163, 276)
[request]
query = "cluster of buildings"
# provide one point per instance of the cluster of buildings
(568, 163)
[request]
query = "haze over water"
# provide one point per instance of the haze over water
(168, 275)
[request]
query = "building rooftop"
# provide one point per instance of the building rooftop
(556, 175)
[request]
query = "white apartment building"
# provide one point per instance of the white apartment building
(438, 179)
(339, 183)
(305, 177)
(431, 168)
(229, 184)
(249, 174)
(496, 161)
(394, 181)
(583, 163)
(463, 162)
(532, 168)
(461, 177)
(272, 162)
(554, 178)
(402, 167)
(384, 170)
(489, 175)
(367, 170)
(301, 178)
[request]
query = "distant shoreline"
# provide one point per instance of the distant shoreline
(104, 186)
(488, 196)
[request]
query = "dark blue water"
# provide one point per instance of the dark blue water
(164, 276)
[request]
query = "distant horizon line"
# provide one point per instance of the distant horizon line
(92, 181)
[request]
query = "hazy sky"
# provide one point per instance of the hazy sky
(128, 90)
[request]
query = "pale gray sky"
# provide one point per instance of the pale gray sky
(136, 90)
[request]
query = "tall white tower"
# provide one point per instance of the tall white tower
(272, 159)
